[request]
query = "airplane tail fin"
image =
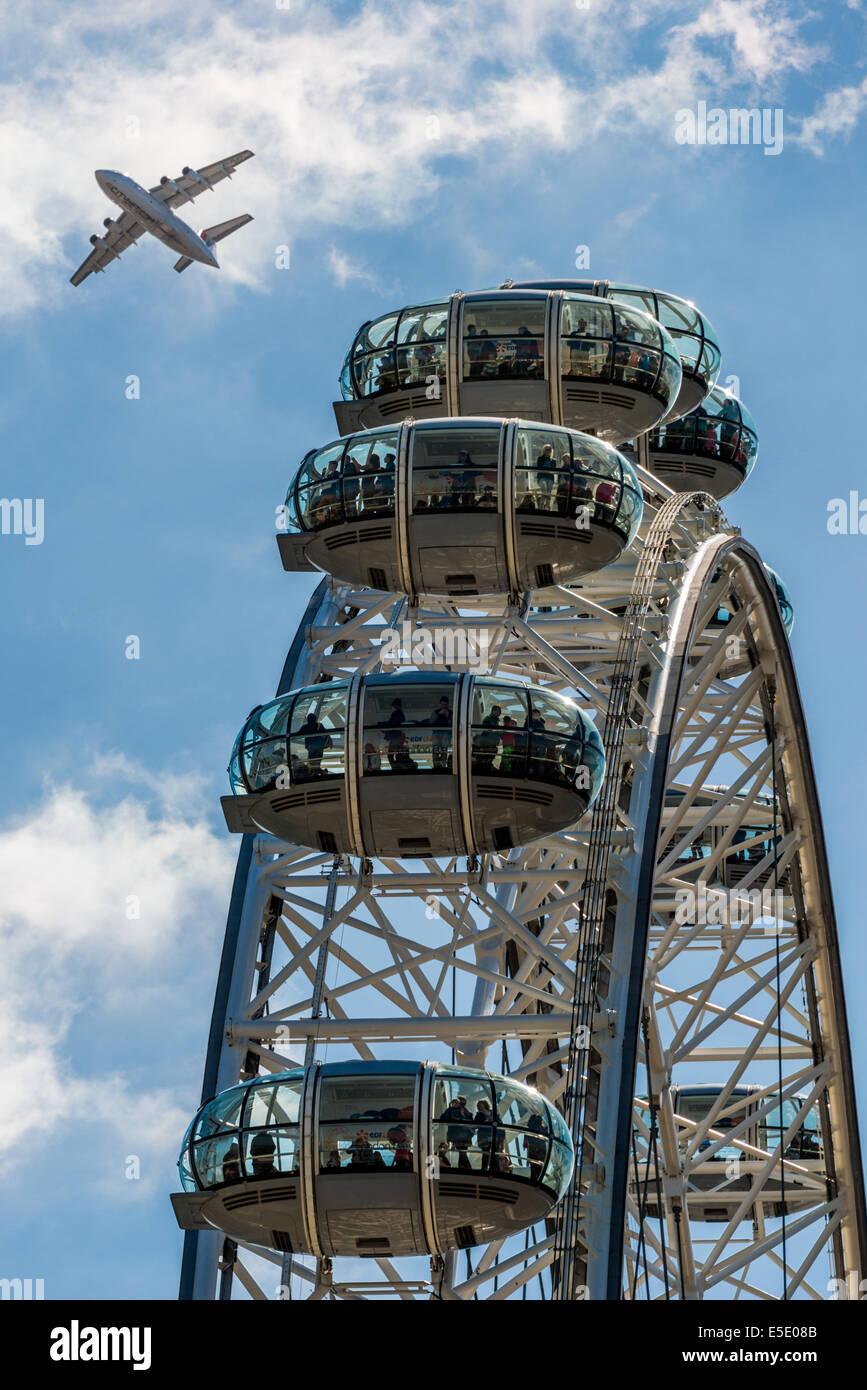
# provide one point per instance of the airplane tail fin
(211, 235)
(224, 229)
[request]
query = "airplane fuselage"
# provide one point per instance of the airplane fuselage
(154, 216)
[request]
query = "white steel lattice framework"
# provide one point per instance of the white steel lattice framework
(566, 963)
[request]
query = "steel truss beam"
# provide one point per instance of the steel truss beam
(567, 964)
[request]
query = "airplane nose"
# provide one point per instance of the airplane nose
(100, 175)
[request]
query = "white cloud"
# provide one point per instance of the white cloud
(350, 117)
(48, 1109)
(345, 269)
(764, 36)
(836, 115)
(731, 50)
(624, 222)
(77, 969)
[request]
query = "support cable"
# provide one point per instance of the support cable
(641, 1251)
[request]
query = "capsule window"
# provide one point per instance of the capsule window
(637, 358)
(635, 364)
(616, 343)
(424, 324)
(408, 731)
(217, 1162)
(221, 1114)
(379, 334)
(805, 1141)
(633, 327)
(669, 377)
(268, 1153)
(708, 363)
(317, 738)
(499, 729)
(454, 469)
(707, 436)
(738, 442)
(678, 316)
(717, 429)
(463, 1122)
(696, 1107)
(677, 436)
(691, 349)
(319, 493)
(292, 513)
(691, 332)
(375, 373)
(347, 384)
(263, 753)
(642, 299)
(504, 339)
(524, 1139)
(586, 332)
(499, 1129)
(224, 1154)
(629, 511)
(188, 1180)
(543, 471)
(787, 612)
(558, 1170)
(556, 740)
(522, 1108)
(368, 476)
(699, 354)
(519, 1154)
(314, 467)
(420, 351)
(604, 488)
(276, 1103)
(366, 1124)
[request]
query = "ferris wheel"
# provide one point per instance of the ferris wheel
(530, 986)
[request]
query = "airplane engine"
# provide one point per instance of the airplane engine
(165, 179)
(94, 239)
(108, 222)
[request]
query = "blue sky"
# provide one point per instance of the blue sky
(554, 128)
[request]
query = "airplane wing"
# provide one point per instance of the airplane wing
(123, 232)
(192, 182)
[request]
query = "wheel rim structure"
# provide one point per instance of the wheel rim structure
(571, 955)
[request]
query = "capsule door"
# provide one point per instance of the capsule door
(366, 1165)
(501, 356)
(408, 787)
(456, 522)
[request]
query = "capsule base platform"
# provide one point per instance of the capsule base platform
(409, 816)
(690, 474)
(366, 1215)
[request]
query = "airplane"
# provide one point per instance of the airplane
(150, 210)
